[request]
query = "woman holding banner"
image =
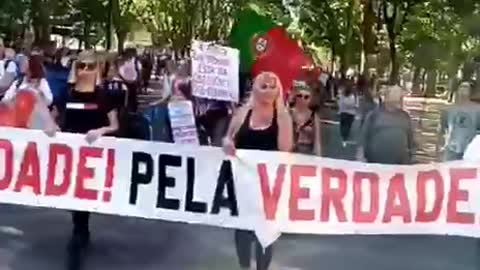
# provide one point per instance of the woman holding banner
(90, 110)
(263, 123)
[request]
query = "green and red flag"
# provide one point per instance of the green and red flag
(265, 46)
(281, 55)
(248, 26)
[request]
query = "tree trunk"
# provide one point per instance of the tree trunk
(368, 38)
(416, 81)
(424, 76)
(394, 73)
(121, 37)
(476, 90)
(431, 83)
(346, 55)
(41, 21)
(452, 86)
(86, 35)
(108, 36)
(334, 55)
(343, 63)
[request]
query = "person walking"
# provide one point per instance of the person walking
(263, 123)
(130, 71)
(347, 108)
(459, 124)
(90, 111)
(387, 125)
(366, 100)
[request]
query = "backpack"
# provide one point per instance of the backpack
(17, 69)
(133, 125)
(160, 123)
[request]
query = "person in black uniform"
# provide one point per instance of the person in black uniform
(263, 123)
(90, 111)
(116, 87)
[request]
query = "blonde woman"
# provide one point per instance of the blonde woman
(92, 111)
(263, 123)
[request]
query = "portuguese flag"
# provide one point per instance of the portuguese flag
(248, 26)
(264, 46)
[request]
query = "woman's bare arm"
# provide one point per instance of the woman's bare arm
(236, 122)
(113, 124)
(46, 117)
(285, 130)
(317, 144)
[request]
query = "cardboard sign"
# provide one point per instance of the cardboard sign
(215, 72)
(182, 121)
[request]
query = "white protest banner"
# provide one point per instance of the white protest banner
(215, 71)
(268, 192)
(182, 121)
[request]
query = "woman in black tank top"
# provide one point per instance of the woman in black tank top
(257, 139)
(262, 124)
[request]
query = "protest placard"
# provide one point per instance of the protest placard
(182, 122)
(255, 190)
(215, 71)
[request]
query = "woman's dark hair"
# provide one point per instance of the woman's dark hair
(362, 84)
(130, 52)
(185, 87)
(59, 54)
(106, 69)
(35, 67)
(347, 87)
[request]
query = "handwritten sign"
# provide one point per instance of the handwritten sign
(215, 71)
(182, 122)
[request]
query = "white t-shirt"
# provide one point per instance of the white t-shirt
(347, 104)
(43, 89)
(128, 70)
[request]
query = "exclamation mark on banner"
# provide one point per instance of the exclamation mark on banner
(107, 194)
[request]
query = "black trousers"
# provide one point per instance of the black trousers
(346, 121)
(214, 126)
(81, 222)
(244, 241)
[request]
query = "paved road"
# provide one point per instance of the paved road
(35, 239)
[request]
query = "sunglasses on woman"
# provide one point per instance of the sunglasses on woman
(88, 66)
(306, 97)
(271, 86)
